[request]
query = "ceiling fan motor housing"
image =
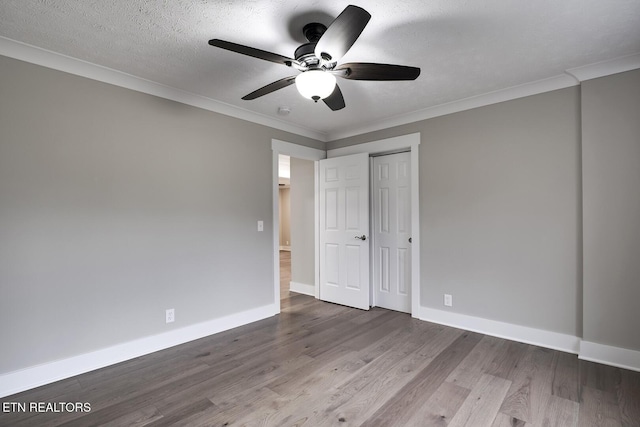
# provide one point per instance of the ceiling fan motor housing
(305, 53)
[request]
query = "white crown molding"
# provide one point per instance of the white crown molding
(533, 88)
(35, 55)
(35, 376)
(524, 334)
(606, 68)
(49, 59)
(608, 355)
(571, 77)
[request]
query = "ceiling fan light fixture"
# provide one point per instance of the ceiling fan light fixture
(315, 84)
(318, 60)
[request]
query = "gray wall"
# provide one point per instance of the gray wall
(500, 210)
(611, 183)
(116, 205)
(302, 221)
(285, 216)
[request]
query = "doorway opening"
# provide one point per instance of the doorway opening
(295, 250)
(284, 219)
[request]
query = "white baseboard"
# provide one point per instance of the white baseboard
(608, 355)
(302, 288)
(35, 376)
(524, 334)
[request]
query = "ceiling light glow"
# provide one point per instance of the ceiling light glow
(315, 84)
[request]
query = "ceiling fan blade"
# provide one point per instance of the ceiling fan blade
(372, 71)
(271, 87)
(342, 33)
(335, 101)
(252, 51)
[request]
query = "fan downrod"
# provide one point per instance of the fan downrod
(313, 31)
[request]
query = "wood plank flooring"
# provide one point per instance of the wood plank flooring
(320, 364)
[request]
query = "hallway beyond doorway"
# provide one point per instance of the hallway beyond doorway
(285, 274)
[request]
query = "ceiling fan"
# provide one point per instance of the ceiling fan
(318, 60)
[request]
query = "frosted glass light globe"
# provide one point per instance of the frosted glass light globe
(315, 84)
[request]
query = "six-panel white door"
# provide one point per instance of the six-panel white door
(344, 230)
(392, 231)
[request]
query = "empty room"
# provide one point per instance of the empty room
(458, 243)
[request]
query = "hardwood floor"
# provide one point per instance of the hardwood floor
(285, 274)
(319, 364)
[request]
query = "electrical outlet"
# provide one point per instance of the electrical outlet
(170, 315)
(448, 300)
(260, 225)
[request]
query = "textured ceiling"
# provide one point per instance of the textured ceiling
(464, 48)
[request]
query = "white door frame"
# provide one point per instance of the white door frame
(411, 141)
(300, 152)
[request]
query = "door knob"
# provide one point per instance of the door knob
(409, 239)
(363, 237)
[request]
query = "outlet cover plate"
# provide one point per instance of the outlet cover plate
(448, 300)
